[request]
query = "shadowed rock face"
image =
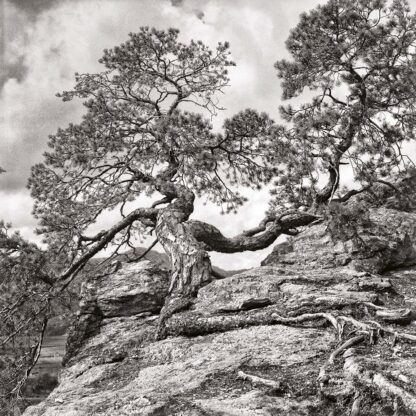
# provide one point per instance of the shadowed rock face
(228, 356)
(123, 290)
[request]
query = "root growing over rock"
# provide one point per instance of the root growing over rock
(192, 324)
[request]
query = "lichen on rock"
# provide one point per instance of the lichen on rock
(389, 242)
(287, 323)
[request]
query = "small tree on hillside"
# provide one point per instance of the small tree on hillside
(140, 137)
(24, 311)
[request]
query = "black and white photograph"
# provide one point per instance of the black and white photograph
(208, 208)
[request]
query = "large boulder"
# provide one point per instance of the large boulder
(125, 289)
(193, 376)
(241, 349)
(122, 290)
(387, 241)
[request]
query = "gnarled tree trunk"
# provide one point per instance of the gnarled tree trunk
(188, 242)
(191, 266)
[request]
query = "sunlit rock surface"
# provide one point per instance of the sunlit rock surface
(389, 242)
(114, 366)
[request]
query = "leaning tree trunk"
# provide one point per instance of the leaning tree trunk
(187, 243)
(191, 266)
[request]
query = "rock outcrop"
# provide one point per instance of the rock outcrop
(123, 290)
(388, 241)
(316, 331)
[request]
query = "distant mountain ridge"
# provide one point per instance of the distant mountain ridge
(158, 258)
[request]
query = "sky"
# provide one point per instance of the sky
(44, 42)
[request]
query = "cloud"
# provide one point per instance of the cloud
(14, 208)
(196, 10)
(58, 43)
(13, 70)
(33, 7)
(46, 41)
(18, 15)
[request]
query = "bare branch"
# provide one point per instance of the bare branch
(147, 251)
(37, 350)
(214, 240)
(105, 238)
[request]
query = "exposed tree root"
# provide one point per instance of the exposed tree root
(355, 409)
(191, 324)
(172, 305)
(323, 377)
(353, 368)
(344, 346)
(306, 317)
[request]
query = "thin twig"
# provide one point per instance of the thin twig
(147, 251)
(38, 348)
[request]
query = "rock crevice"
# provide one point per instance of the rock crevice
(321, 328)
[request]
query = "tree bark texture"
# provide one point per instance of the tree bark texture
(188, 242)
(191, 266)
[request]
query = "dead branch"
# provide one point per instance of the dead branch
(399, 316)
(37, 350)
(145, 253)
(259, 380)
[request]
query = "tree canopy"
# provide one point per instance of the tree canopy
(137, 124)
(357, 59)
(146, 131)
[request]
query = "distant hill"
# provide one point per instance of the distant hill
(161, 259)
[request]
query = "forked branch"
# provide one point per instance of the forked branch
(103, 238)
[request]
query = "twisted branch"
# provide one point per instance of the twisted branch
(256, 239)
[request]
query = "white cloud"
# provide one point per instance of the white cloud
(71, 36)
(15, 207)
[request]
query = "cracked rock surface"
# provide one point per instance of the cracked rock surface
(114, 366)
